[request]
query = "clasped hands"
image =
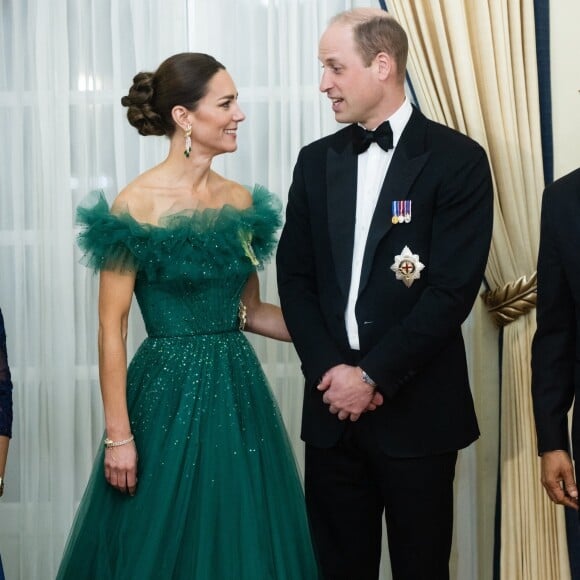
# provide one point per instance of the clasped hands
(346, 394)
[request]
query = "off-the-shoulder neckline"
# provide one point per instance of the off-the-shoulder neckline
(181, 217)
(166, 219)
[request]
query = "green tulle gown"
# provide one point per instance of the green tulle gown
(219, 496)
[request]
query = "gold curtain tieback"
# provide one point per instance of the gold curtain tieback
(513, 300)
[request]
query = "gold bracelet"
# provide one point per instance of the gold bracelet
(242, 315)
(108, 443)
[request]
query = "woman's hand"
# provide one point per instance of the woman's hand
(121, 467)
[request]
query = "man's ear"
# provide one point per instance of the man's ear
(385, 66)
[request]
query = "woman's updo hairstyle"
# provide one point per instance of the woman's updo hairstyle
(182, 79)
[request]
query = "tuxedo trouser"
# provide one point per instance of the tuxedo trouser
(349, 487)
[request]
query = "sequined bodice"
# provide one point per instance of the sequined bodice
(182, 307)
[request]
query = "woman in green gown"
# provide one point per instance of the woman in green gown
(195, 478)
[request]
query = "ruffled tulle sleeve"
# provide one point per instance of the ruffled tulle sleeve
(104, 237)
(261, 224)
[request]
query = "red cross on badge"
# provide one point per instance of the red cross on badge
(406, 267)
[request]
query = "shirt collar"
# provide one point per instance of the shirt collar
(399, 120)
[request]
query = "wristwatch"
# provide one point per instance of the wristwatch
(1, 485)
(366, 379)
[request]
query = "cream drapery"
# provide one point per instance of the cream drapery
(473, 65)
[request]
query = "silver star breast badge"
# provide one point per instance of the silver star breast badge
(407, 267)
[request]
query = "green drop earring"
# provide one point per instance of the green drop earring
(187, 141)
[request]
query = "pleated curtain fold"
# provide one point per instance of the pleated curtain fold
(473, 67)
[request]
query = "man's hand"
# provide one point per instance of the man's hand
(376, 401)
(558, 478)
(346, 394)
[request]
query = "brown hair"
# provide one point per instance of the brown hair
(376, 31)
(182, 79)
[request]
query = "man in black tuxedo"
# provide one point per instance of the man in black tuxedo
(380, 260)
(556, 344)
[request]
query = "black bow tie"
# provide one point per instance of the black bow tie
(382, 136)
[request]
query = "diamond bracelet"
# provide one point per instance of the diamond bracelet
(110, 443)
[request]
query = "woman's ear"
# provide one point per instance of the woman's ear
(181, 116)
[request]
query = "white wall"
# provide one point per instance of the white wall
(565, 57)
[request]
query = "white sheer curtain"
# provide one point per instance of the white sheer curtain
(65, 65)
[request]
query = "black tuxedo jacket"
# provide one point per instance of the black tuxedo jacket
(410, 338)
(556, 344)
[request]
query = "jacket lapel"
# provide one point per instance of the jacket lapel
(341, 179)
(408, 160)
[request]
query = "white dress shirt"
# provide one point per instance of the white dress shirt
(373, 165)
